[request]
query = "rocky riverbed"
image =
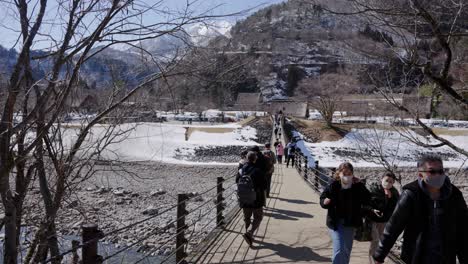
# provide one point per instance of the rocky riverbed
(222, 154)
(264, 127)
(134, 194)
(119, 195)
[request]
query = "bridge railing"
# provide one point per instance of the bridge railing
(187, 227)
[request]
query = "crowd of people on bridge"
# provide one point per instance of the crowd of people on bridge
(430, 212)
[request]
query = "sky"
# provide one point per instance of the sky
(9, 23)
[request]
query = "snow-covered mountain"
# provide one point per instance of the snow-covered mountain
(129, 62)
(170, 45)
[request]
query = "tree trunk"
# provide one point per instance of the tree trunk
(10, 250)
(48, 240)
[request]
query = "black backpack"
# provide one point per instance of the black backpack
(291, 150)
(245, 188)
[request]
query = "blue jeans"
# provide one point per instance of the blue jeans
(342, 243)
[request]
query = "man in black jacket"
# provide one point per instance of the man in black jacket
(256, 208)
(434, 217)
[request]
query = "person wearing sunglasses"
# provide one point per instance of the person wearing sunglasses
(433, 215)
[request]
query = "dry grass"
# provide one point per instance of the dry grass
(318, 131)
(246, 121)
(451, 132)
(213, 130)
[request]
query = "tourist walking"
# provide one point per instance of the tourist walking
(384, 197)
(344, 198)
(276, 145)
(291, 146)
(262, 163)
(270, 158)
(433, 215)
(280, 152)
(243, 160)
(251, 185)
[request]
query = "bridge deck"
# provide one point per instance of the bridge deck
(293, 229)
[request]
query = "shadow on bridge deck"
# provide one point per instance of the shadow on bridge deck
(293, 230)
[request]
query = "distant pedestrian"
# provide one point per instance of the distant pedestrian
(276, 131)
(344, 198)
(251, 185)
(384, 197)
(434, 217)
(186, 134)
(291, 146)
(280, 152)
(275, 145)
(270, 158)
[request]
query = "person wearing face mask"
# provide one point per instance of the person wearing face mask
(384, 198)
(434, 217)
(345, 198)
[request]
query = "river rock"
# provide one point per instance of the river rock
(151, 210)
(118, 192)
(158, 192)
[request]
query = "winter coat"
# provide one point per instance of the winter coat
(382, 203)
(291, 148)
(262, 164)
(359, 198)
(259, 182)
(280, 150)
(413, 215)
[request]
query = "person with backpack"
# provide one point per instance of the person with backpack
(291, 146)
(251, 186)
(243, 160)
(270, 158)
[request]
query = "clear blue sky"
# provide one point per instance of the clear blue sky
(9, 26)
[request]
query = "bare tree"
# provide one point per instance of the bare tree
(326, 91)
(32, 108)
(428, 43)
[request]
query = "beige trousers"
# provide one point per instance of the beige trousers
(377, 231)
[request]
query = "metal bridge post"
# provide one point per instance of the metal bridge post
(306, 167)
(181, 241)
(90, 236)
(299, 162)
(316, 182)
(219, 201)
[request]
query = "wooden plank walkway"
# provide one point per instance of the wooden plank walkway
(293, 229)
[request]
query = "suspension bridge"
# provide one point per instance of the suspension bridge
(293, 229)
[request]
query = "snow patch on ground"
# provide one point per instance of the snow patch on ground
(396, 149)
(163, 142)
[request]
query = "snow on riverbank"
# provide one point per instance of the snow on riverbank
(166, 142)
(363, 147)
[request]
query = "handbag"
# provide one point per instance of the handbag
(364, 231)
